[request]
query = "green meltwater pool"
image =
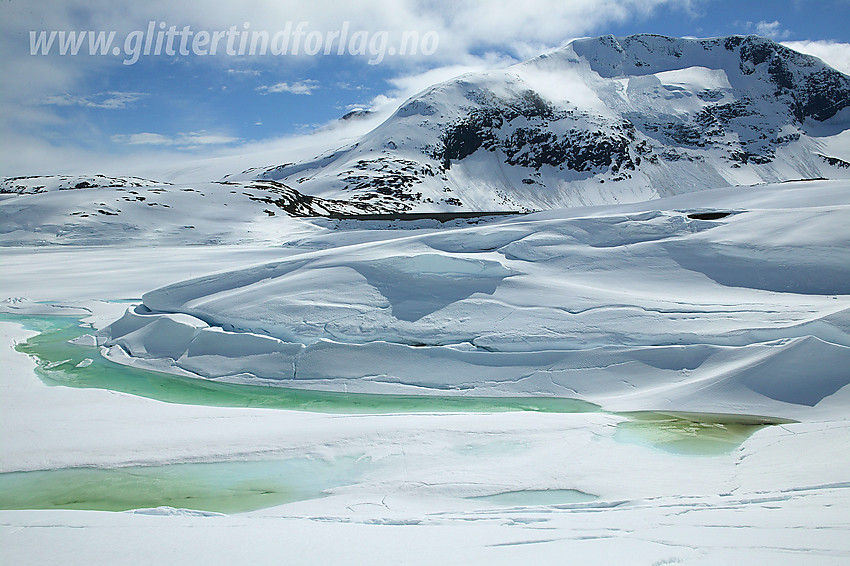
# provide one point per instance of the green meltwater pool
(237, 486)
(224, 487)
(62, 363)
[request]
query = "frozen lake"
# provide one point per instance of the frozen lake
(105, 462)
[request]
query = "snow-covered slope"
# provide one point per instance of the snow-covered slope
(715, 301)
(600, 121)
(34, 184)
(97, 210)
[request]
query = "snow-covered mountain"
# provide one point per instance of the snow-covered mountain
(600, 121)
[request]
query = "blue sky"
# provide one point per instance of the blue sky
(68, 113)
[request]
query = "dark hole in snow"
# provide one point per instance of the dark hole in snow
(708, 215)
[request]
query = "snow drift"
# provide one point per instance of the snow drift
(643, 306)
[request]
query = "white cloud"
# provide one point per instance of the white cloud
(833, 53)
(463, 26)
(244, 72)
(109, 100)
(772, 29)
(409, 84)
(345, 85)
(190, 140)
(298, 87)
